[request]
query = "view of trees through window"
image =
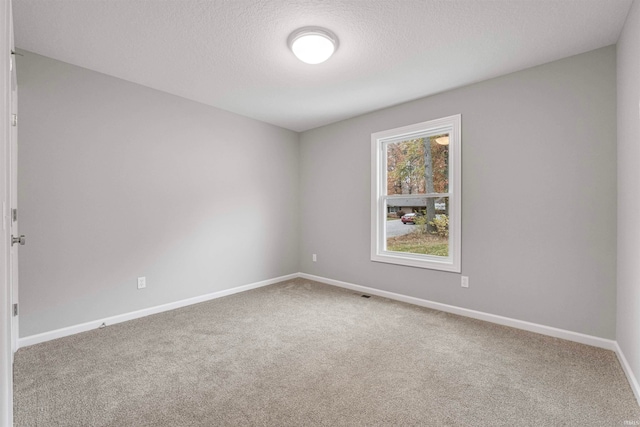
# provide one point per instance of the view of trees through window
(417, 179)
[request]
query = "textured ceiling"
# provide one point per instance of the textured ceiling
(233, 54)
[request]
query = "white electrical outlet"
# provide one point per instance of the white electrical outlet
(142, 282)
(314, 258)
(465, 282)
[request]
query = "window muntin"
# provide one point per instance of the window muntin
(416, 170)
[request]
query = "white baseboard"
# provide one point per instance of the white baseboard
(75, 329)
(506, 321)
(493, 318)
(633, 382)
(501, 320)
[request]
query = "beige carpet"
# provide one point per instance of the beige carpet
(301, 353)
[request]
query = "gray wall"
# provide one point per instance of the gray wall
(539, 196)
(119, 181)
(628, 309)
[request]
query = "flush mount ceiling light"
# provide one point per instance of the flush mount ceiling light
(313, 45)
(443, 140)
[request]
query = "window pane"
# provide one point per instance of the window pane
(406, 170)
(420, 229)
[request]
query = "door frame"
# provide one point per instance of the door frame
(6, 339)
(13, 204)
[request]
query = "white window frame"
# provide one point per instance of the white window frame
(451, 125)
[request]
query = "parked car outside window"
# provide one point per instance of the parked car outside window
(409, 218)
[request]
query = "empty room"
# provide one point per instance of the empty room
(320, 212)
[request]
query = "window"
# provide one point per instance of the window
(415, 195)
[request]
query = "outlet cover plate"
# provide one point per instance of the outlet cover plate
(465, 282)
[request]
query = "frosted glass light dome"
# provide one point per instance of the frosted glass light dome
(313, 45)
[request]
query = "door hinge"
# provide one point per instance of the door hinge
(14, 215)
(15, 309)
(14, 120)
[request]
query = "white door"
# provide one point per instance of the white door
(16, 238)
